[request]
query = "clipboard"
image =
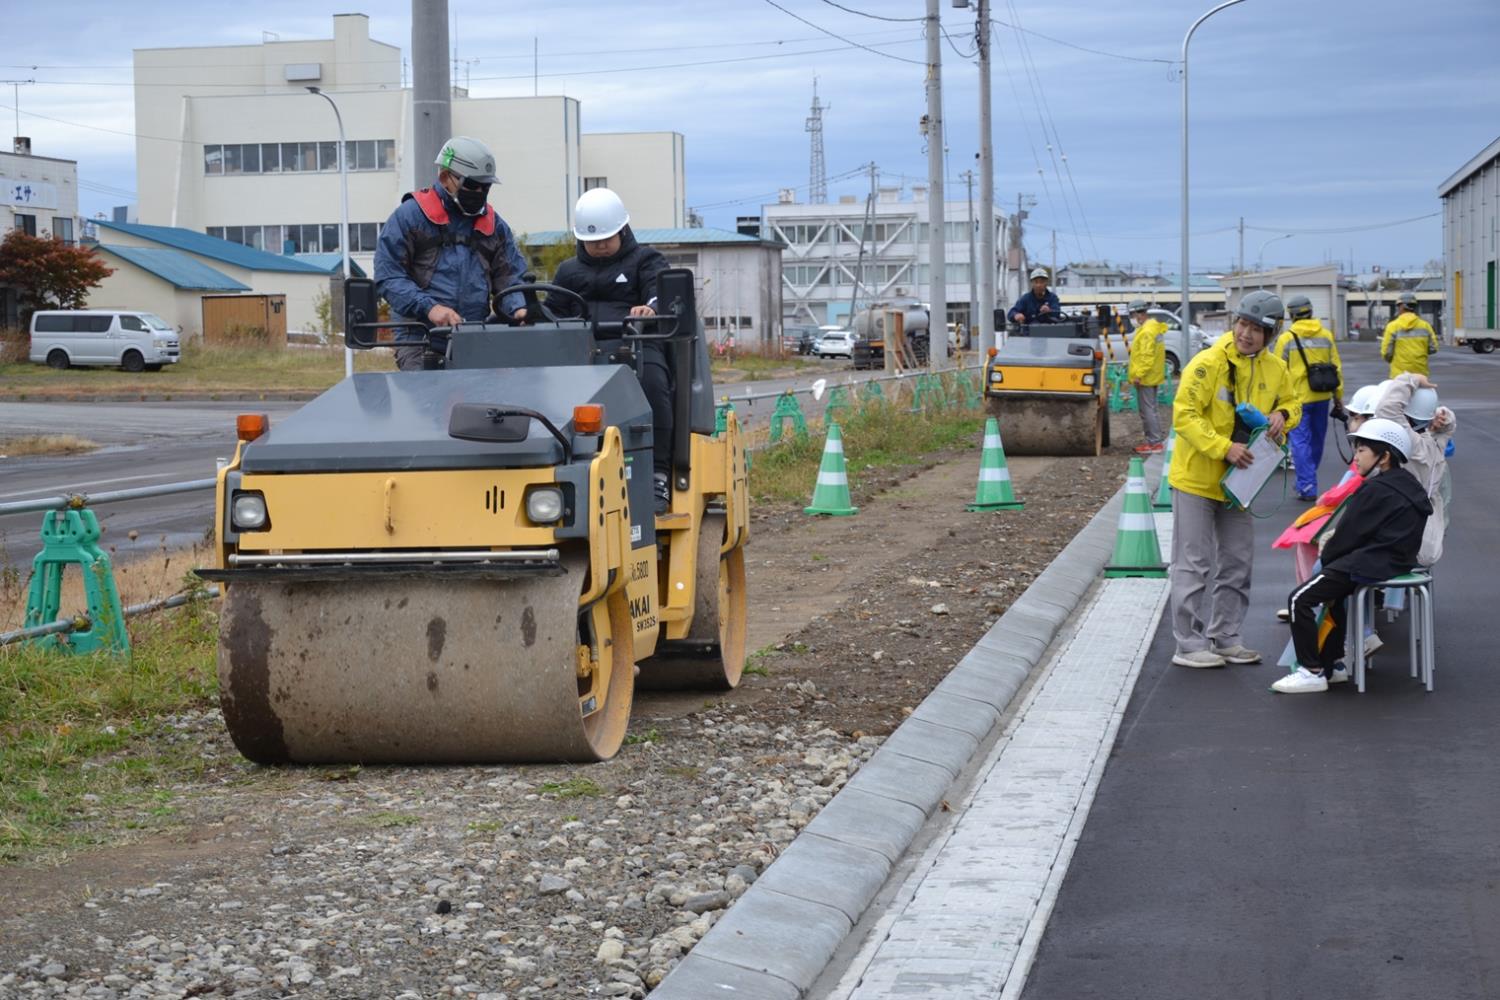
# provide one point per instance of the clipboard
(1242, 486)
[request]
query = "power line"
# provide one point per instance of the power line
(873, 17)
(1344, 229)
(831, 34)
(1085, 48)
(954, 45)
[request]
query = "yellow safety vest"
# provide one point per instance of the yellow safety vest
(1319, 345)
(1203, 412)
(1407, 341)
(1148, 353)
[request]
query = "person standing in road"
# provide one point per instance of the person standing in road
(1148, 370)
(1310, 352)
(444, 253)
(1040, 305)
(1408, 339)
(617, 277)
(1213, 542)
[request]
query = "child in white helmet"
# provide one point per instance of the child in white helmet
(1412, 401)
(1373, 537)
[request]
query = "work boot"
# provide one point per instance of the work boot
(661, 492)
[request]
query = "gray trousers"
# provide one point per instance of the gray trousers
(1145, 396)
(1212, 547)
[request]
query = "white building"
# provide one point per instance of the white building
(1471, 240)
(232, 144)
(822, 256)
(38, 195)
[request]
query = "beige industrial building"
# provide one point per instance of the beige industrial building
(231, 144)
(1471, 241)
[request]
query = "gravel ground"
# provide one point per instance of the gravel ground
(556, 881)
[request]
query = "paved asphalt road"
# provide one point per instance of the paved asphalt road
(1248, 845)
(168, 442)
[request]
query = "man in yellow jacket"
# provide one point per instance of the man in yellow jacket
(1148, 366)
(1213, 542)
(1310, 352)
(1408, 339)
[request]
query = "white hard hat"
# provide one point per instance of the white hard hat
(1364, 400)
(1040, 272)
(469, 158)
(598, 215)
(1387, 432)
(1423, 405)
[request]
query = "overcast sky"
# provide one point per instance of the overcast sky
(1306, 114)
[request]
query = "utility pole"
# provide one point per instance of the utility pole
(1242, 257)
(973, 263)
(866, 233)
(1054, 254)
(431, 91)
(937, 258)
(987, 338)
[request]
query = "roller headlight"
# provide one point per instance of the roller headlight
(544, 505)
(247, 512)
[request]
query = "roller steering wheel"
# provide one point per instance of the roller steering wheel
(529, 290)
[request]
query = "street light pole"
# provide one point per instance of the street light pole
(343, 209)
(1261, 253)
(1187, 308)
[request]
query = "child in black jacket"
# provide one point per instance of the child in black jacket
(1375, 535)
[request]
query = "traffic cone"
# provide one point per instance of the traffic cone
(1137, 551)
(1163, 499)
(994, 491)
(831, 494)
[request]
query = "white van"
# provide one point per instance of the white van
(135, 341)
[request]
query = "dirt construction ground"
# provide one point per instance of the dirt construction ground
(555, 881)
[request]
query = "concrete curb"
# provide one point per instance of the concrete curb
(781, 934)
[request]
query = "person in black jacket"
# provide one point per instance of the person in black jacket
(1376, 534)
(617, 277)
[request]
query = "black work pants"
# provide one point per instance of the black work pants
(656, 380)
(1328, 589)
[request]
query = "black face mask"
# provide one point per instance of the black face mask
(471, 197)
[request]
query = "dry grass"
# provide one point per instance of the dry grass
(160, 574)
(45, 444)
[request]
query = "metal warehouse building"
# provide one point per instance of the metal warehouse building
(1471, 227)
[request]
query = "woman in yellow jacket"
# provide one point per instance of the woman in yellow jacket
(1408, 340)
(1212, 541)
(1148, 366)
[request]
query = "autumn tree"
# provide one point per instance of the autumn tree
(48, 273)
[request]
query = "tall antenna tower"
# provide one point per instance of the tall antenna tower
(817, 170)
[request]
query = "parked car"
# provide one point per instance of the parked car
(835, 344)
(798, 339)
(135, 341)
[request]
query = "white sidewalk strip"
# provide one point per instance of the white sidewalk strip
(967, 922)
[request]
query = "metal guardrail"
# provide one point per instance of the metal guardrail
(76, 501)
(753, 397)
(82, 621)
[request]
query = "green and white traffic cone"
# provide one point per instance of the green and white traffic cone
(831, 494)
(1163, 499)
(1137, 551)
(994, 491)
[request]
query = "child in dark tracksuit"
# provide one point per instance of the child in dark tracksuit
(1376, 535)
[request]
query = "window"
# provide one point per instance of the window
(92, 324)
(213, 159)
(234, 234)
(217, 232)
(26, 223)
(330, 234)
(232, 159)
(385, 154)
(270, 157)
(291, 156)
(589, 183)
(62, 229)
(272, 239)
(363, 237)
(366, 157)
(133, 324)
(328, 156)
(52, 323)
(253, 237)
(309, 156)
(250, 158)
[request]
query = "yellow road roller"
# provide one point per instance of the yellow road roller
(1045, 385)
(463, 565)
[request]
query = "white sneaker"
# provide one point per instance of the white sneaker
(1283, 614)
(1301, 681)
(1339, 675)
(1200, 658)
(1238, 654)
(1372, 643)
